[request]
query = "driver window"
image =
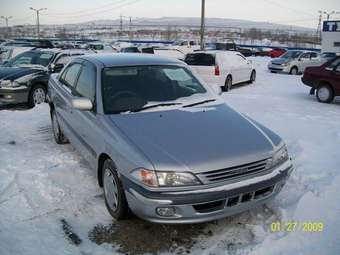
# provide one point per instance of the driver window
(70, 75)
(305, 56)
(86, 84)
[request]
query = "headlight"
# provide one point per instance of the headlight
(165, 178)
(9, 84)
(284, 64)
(280, 156)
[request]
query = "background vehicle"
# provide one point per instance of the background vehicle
(326, 56)
(221, 68)
(131, 49)
(263, 52)
(100, 47)
(277, 52)
(295, 62)
(136, 119)
(9, 52)
(324, 79)
(24, 78)
(245, 52)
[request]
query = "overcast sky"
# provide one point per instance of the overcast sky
(292, 12)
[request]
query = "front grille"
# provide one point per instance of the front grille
(277, 64)
(234, 172)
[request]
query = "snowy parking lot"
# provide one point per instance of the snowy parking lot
(50, 202)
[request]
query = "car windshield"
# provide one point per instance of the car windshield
(31, 58)
(96, 46)
(291, 54)
(128, 89)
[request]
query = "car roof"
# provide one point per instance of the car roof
(130, 59)
(229, 52)
(66, 51)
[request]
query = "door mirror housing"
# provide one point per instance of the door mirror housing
(82, 104)
(56, 68)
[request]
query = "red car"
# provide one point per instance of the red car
(277, 52)
(325, 79)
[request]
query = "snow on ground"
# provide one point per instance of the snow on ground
(42, 184)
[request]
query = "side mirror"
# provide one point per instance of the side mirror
(56, 68)
(82, 104)
(217, 90)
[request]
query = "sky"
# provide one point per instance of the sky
(290, 12)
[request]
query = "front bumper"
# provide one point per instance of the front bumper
(14, 95)
(207, 203)
(278, 68)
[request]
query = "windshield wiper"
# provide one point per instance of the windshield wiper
(154, 106)
(198, 103)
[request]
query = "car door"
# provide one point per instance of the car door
(85, 122)
(244, 67)
(335, 78)
(63, 99)
(315, 59)
(304, 61)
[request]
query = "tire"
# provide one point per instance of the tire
(252, 76)
(325, 93)
(228, 83)
(37, 95)
(294, 71)
(58, 134)
(114, 194)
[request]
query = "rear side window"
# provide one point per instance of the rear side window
(86, 85)
(200, 59)
(69, 76)
(335, 63)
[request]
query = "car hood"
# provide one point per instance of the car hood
(280, 61)
(13, 73)
(196, 139)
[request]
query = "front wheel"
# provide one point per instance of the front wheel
(325, 94)
(37, 95)
(294, 70)
(59, 136)
(252, 76)
(114, 195)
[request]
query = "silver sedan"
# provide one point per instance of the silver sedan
(162, 143)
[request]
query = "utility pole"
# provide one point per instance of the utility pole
(202, 24)
(38, 23)
(130, 28)
(120, 26)
(6, 18)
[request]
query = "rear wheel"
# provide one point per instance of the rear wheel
(294, 70)
(114, 195)
(37, 95)
(325, 93)
(228, 83)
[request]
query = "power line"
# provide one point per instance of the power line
(118, 6)
(288, 8)
(86, 10)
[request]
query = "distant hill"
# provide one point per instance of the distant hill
(213, 22)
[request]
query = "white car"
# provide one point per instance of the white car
(295, 62)
(222, 68)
